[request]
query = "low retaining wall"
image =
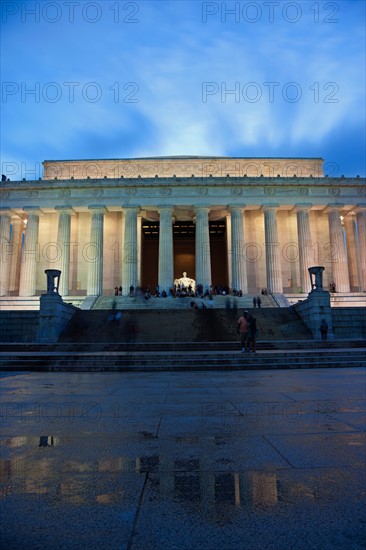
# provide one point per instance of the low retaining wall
(349, 322)
(19, 326)
(44, 325)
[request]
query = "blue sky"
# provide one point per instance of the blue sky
(114, 79)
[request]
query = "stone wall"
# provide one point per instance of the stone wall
(19, 326)
(54, 316)
(36, 326)
(349, 322)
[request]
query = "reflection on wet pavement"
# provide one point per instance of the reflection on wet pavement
(186, 477)
(182, 479)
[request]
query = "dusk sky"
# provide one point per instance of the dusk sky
(109, 79)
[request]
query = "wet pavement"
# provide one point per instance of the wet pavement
(211, 461)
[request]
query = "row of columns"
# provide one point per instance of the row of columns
(345, 266)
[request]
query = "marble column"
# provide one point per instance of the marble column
(5, 221)
(139, 248)
(125, 291)
(238, 260)
(63, 241)
(203, 253)
(228, 248)
(130, 250)
(304, 243)
(94, 251)
(30, 254)
(273, 260)
(166, 273)
(16, 251)
(338, 249)
(361, 232)
(351, 243)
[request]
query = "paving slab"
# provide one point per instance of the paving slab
(186, 461)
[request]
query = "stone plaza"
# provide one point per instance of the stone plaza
(184, 460)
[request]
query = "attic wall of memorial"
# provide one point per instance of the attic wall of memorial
(183, 167)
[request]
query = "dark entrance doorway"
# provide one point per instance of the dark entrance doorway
(184, 239)
(184, 236)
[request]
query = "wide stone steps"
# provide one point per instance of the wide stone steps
(140, 303)
(143, 347)
(210, 325)
(180, 361)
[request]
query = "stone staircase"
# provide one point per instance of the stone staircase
(219, 302)
(168, 340)
(139, 357)
(188, 325)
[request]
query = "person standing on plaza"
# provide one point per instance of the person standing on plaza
(251, 331)
(242, 328)
(324, 329)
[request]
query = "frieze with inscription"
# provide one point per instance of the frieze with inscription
(97, 193)
(165, 191)
(64, 194)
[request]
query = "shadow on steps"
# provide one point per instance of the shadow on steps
(216, 325)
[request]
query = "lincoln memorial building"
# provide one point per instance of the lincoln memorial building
(244, 223)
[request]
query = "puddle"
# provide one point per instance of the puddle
(195, 482)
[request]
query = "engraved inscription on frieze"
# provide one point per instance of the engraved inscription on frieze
(165, 191)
